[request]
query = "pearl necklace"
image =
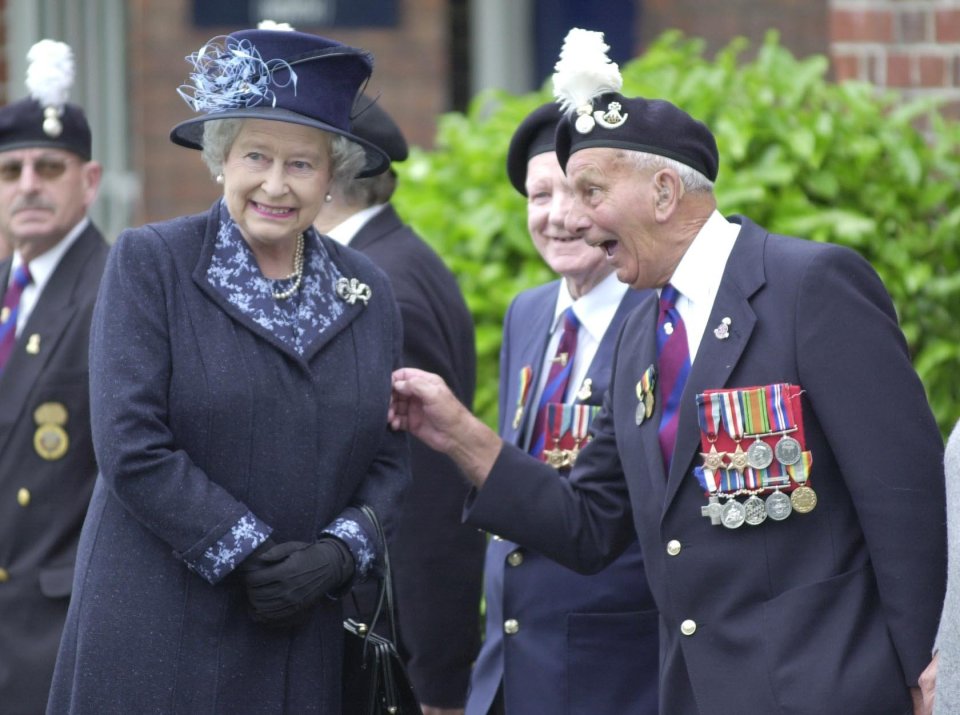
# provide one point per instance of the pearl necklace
(297, 273)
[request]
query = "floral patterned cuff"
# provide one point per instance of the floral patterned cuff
(361, 546)
(230, 549)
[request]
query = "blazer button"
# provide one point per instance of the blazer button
(515, 558)
(511, 626)
(673, 547)
(23, 496)
(688, 627)
(4, 575)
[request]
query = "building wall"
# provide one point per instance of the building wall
(912, 46)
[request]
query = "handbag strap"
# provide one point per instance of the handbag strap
(385, 596)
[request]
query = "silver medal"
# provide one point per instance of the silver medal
(733, 514)
(788, 450)
(641, 413)
(755, 512)
(759, 455)
(778, 506)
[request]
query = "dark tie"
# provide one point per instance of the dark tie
(557, 379)
(10, 310)
(673, 360)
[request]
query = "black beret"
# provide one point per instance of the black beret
(535, 135)
(282, 75)
(22, 127)
(372, 123)
(654, 126)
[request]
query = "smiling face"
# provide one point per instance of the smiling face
(275, 177)
(548, 200)
(44, 192)
(615, 207)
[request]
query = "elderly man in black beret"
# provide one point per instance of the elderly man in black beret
(437, 561)
(47, 467)
(764, 435)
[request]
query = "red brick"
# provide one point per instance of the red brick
(846, 67)
(932, 70)
(947, 26)
(913, 26)
(861, 26)
(898, 70)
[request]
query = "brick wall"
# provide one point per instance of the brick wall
(912, 46)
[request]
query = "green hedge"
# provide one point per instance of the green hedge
(799, 154)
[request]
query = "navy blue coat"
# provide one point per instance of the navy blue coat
(42, 500)
(833, 611)
(584, 645)
(199, 417)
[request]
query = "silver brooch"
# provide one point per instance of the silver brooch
(352, 290)
(611, 119)
(722, 331)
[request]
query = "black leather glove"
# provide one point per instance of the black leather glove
(284, 581)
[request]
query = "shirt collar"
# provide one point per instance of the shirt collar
(43, 266)
(344, 231)
(697, 276)
(594, 309)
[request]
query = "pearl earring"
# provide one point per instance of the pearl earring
(219, 179)
(328, 198)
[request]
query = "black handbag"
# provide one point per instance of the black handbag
(374, 679)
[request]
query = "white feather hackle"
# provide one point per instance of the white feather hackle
(584, 71)
(50, 73)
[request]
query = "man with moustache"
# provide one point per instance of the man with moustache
(47, 468)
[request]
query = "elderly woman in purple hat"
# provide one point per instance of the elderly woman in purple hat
(240, 378)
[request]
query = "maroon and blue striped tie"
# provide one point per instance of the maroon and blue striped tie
(673, 362)
(10, 311)
(556, 386)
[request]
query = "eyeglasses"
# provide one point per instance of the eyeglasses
(47, 168)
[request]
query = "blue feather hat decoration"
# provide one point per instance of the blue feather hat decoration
(280, 75)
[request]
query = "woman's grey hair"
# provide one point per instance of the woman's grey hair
(691, 179)
(347, 158)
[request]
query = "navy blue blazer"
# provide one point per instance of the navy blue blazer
(830, 611)
(437, 560)
(582, 644)
(44, 496)
(200, 417)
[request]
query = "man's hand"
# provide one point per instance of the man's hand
(424, 406)
(923, 696)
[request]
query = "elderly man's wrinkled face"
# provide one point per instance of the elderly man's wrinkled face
(548, 200)
(275, 177)
(613, 208)
(44, 193)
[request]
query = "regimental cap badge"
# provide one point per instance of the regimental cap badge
(582, 74)
(50, 75)
(611, 119)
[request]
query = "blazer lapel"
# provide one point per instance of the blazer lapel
(716, 358)
(49, 318)
(639, 349)
(529, 351)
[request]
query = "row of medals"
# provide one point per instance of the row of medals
(778, 505)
